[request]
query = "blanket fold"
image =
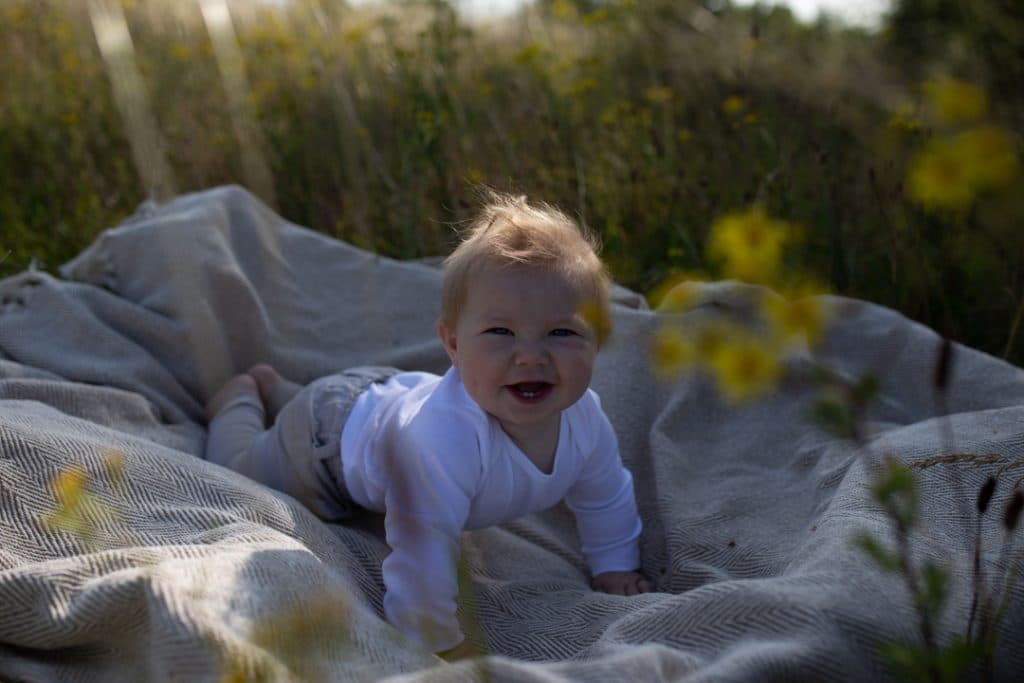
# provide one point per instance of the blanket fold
(126, 557)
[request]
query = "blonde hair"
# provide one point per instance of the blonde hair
(509, 231)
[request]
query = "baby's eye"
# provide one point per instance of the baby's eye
(562, 332)
(498, 330)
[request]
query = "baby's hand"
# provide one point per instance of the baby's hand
(621, 583)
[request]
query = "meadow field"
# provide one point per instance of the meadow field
(891, 157)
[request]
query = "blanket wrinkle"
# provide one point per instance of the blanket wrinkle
(126, 557)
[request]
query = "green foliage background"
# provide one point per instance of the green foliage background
(649, 119)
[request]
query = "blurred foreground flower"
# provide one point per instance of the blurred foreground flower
(988, 154)
(733, 105)
(751, 329)
(905, 120)
(749, 245)
(937, 179)
(679, 293)
(955, 101)
(672, 352)
(658, 95)
(598, 320)
(743, 365)
(69, 488)
(298, 643)
(78, 511)
(801, 318)
(746, 369)
(948, 174)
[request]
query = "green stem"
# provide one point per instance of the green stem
(1014, 327)
(924, 617)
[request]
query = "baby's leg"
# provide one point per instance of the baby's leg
(237, 387)
(291, 455)
(274, 389)
(236, 421)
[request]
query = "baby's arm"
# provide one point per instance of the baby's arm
(426, 508)
(609, 525)
(420, 574)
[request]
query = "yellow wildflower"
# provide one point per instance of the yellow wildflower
(955, 101)
(938, 179)
(63, 32)
(905, 122)
(987, 156)
(563, 9)
(181, 51)
(69, 61)
(582, 86)
(675, 296)
(356, 33)
(750, 245)
(804, 317)
(609, 117)
(745, 369)
(428, 124)
(712, 338)
(684, 135)
(69, 486)
(70, 489)
(659, 94)
(733, 105)
(528, 54)
(672, 352)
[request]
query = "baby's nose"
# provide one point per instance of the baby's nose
(531, 352)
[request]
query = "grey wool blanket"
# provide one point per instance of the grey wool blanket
(124, 556)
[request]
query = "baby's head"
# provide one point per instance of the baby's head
(511, 232)
(521, 298)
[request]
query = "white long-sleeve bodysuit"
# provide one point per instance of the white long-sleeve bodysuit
(420, 450)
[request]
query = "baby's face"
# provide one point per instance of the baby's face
(521, 345)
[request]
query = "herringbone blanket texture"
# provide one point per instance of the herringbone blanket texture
(142, 562)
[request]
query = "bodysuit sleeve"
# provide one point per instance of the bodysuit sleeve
(604, 504)
(426, 507)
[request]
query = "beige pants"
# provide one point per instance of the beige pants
(300, 454)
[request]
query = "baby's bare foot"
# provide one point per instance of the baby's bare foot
(239, 385)
(274, 389)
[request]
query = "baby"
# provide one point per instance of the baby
(511, 428)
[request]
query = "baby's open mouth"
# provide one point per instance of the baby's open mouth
(530, 391)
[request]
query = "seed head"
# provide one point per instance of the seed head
(1013, 508)
(985, 494)
(943, 364)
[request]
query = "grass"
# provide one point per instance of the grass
(649, 120)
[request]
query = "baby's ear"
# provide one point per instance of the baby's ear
(447, 336)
